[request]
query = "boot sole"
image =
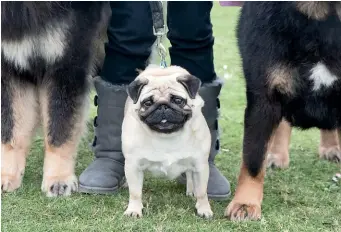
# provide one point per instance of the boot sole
(222, 197)
(97, 190)
(100, 190)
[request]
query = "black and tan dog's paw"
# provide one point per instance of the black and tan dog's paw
(330, 153)
(276, 160)
(10, 183)
(60, 186)
(238, 211)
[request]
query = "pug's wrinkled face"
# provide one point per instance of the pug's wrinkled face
(164, 98)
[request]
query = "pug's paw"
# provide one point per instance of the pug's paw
(134, 210)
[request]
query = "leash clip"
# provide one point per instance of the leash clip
(159, 29)
(160, 32)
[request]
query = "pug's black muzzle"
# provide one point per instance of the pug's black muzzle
(165, 117)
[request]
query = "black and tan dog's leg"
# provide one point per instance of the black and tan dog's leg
(329, 148)
(18, 121)
(64, 119)
(261, 118)
(278, 153)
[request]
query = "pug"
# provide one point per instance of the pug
(165, 132)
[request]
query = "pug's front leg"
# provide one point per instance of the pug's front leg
(134, 177)
(200, 178)
(189, 185)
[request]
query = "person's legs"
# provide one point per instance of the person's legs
(191, 37)
(130, 35)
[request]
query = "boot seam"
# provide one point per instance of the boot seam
(111, 160)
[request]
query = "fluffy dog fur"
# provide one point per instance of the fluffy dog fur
(48, 54)
(291, 54)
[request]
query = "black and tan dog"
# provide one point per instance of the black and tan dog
(48, 51)
(291, 55)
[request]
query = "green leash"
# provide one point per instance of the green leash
(159, 29)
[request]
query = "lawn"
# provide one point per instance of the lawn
(300, 198)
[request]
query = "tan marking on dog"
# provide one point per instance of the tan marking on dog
(280, 77)
(13, 154)
(246, 204)
(317, 10)
(278, 153)
(59, 165)
(329, 148)
(60, 161)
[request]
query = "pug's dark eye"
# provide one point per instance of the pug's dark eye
(179, 101)
(147, 103)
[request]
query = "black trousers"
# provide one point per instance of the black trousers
(130, 35)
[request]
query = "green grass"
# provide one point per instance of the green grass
(300, 198)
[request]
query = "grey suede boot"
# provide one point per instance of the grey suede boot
(106, 173)
(218, 187)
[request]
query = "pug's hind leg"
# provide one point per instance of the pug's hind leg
(200, 179)
(134, 178)
(189, 185)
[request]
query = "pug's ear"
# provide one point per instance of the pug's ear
(134, 88)
(191, 84)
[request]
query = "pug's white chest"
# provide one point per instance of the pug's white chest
(170, 168)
